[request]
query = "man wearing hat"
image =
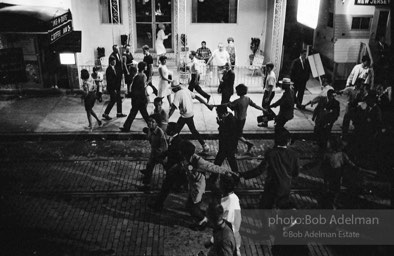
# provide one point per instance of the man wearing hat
(269, 85)
(183, 100)
(286, 103)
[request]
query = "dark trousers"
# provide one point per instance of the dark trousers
(280, 122)
(135, 107)
(153, 160)
(322, 133)
(224, 153)
(194, 209)
(299, 89)
(195, 85)
(114, 98)
(349, 116)
(226, 95)
(175, 178)
(190, 123)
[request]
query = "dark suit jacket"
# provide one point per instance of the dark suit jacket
(298, 74)
(227, 86)
(286, 103)
(112, 80)
(118, 65)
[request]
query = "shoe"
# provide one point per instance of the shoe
(205, 148)
(99, 123)
(120, 115)
(198, 227)
(301, 107)
(143, 171)
(122, 129)
(106, 117)
(263, 124)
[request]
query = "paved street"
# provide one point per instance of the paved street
(80, 198)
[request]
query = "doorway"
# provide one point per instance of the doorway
(149, 14)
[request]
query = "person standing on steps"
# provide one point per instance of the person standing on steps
(113, 88)
(219, 58)
(203, 53)
(159, 45)
(299, 74)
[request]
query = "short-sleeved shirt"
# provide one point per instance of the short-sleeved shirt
(220, 58)
(270, 82)
(230, 204)
(240, 107)
(183, 100)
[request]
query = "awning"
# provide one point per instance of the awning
(56, 22)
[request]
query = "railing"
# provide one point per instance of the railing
(243, 74)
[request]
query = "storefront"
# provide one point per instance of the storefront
(29, 40)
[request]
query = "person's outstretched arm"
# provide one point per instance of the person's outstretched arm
(210, 107)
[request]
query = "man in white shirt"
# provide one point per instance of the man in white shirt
(362, 73)
(183, 100)
(269, 85)
(219, 59)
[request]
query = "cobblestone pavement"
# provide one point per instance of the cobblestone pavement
(80, 198)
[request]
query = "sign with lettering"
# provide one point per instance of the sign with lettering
(59, 27)
(60, 20)
(59, 32)
(69, 43)
(372, 2)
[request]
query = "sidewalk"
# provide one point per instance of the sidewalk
(65, 115)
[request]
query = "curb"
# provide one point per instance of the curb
(62, 136)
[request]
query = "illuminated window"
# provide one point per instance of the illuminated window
(361, 23)
(214, 11)
(110, 11)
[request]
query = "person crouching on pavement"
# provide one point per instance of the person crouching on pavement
(196, 168)
(175, 175)
(158, 141)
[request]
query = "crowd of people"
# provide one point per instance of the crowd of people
(369, 108)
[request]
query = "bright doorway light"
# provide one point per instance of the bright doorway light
(308, 12)
(67, 58)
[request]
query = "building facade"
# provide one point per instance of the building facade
(346, 31)
(103, 22)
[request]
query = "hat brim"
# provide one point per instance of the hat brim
(289, 83)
